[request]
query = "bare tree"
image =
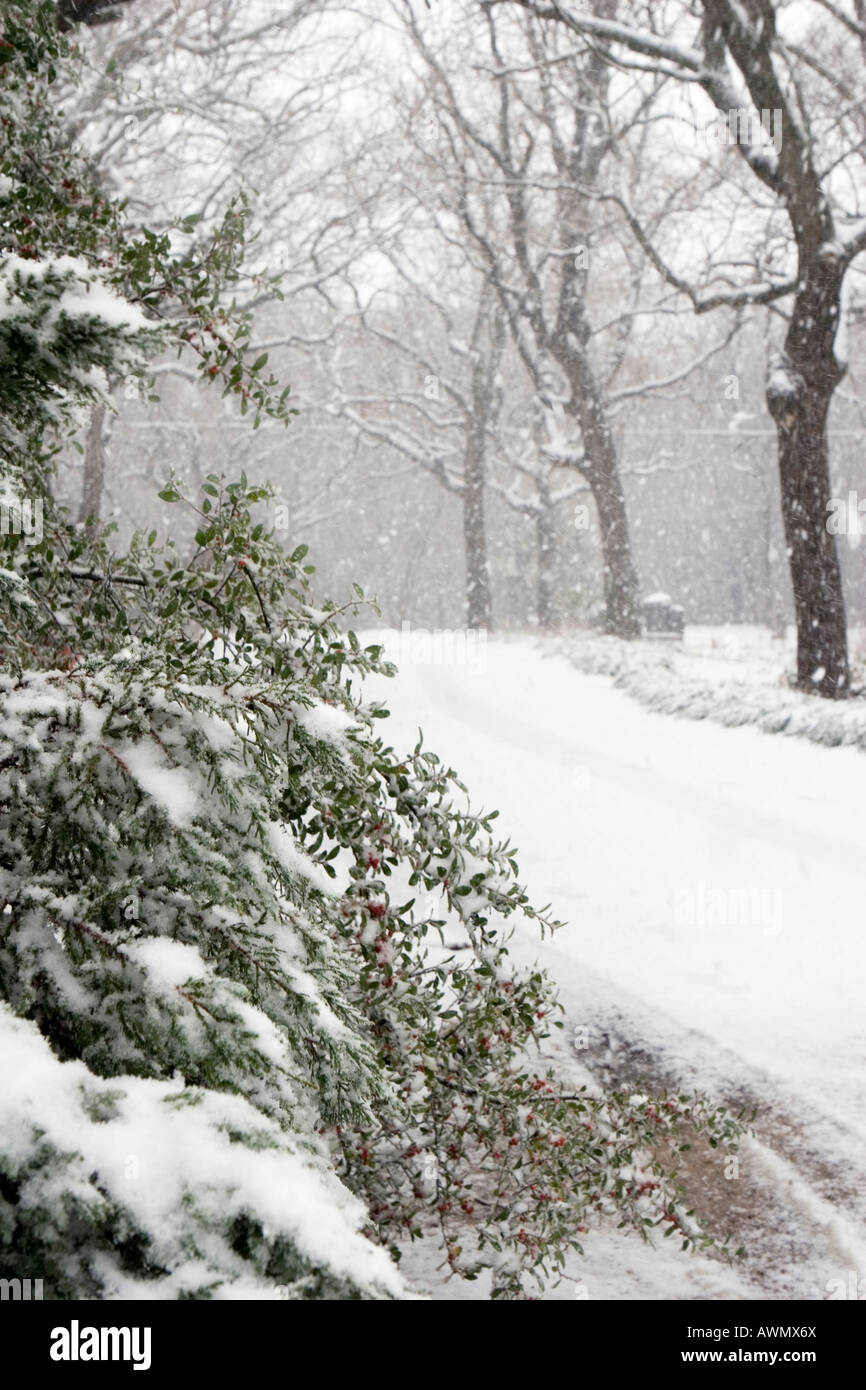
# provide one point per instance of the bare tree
(183, 105)
(511, 172)
(430, 395)
(529, 477)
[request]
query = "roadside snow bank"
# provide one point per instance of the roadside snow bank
(666, 681)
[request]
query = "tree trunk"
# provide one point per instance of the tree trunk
(546, 544)
(474, 538)
(822, 647)
(622, 618)
(94, 467)
(775, 596)
(800, 386)
(601, 470)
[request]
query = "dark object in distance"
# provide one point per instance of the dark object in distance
(662, 617)
(71, 12)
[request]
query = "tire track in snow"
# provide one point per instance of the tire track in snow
(796, 1202)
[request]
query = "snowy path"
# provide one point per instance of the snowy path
(713, 883)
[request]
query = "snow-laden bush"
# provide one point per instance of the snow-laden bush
(217, 883)
(238, 1061)
(139, 1187)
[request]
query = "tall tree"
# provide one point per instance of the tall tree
(512, 167)
(256, 88)
(434, 399)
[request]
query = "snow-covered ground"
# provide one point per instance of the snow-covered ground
(713, 883)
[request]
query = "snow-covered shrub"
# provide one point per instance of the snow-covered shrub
(213, 876)
(661, 681)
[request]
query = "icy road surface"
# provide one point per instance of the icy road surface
(713, 881)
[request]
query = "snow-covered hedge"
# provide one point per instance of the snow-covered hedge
(654, 676)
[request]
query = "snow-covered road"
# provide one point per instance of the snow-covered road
(713, 884)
